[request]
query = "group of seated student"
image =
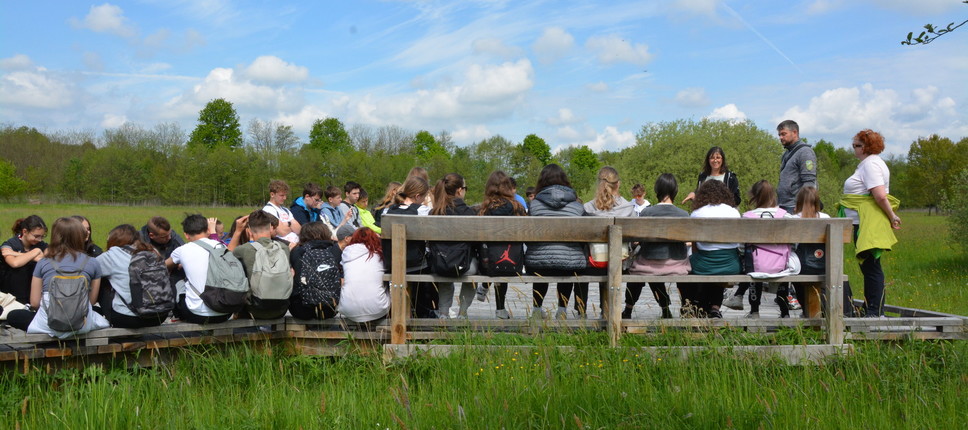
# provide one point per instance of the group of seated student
(317, 263)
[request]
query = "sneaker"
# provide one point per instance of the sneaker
(481, 292)
(666, 313)
(793, 302)
(714, 314)
(627, 313)
(734, 302)
(753, 315)
(561, 313)
(502, 314)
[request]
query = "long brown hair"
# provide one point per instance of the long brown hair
(126, 234)
(808, 202)
(414, 186)
(498, 191)
(391, 191)
(66, 237)
(445, 191)
(762, 195)
(607, 188)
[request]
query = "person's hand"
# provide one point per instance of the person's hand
(40, 255)
(689, 197)
(896, 222)
(241, 223)
(212, 222)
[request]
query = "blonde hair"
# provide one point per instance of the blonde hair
(607, 188)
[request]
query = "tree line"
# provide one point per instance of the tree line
(219, 164)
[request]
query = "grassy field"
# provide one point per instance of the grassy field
(884, 385)
(925, 270)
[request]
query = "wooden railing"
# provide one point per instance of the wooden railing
(832, 231)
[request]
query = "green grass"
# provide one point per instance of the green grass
(884, 385)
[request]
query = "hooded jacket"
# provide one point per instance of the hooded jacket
(303, 214)
(363, 298)
(556, 200)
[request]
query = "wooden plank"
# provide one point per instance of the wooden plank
(399, 304)
(916, 335)
(615, 288)
(908, 321)
(835, 283)
(742, 230)
(498, 228)
(480, 279)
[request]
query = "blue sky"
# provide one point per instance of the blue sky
(575, 73)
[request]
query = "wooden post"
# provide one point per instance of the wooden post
(835, 283)
(399, 305)
(614, 290)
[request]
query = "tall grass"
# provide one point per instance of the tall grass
(884, 385)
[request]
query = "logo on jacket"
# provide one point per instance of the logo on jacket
(506, 257)
(809, 165)
(323, 267)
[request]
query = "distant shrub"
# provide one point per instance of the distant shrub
(956, 204)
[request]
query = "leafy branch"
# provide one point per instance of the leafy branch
(931, 33)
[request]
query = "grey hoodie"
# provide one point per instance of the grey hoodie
(556, 200)
(798, 168)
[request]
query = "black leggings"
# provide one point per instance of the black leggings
(500, 294)
(20, 318)
(318, 312)
(704, 296)
(187, 316)
(127, 321)
(633, 291)
(540, 290)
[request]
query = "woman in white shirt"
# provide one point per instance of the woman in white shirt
(867, 202)
(713, 200)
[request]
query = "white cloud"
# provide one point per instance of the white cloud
(35, 89)
(155, 68)
(272, 69)
(598, 87)
(568, 134)
(613, 49)
(17, 62)
(241, 92)
(303, 120)
(111, 120)
(496, 47)
(692, 97)
(92, 60)
(474, 133)
(106, 18)
(611, 138)
(729, 112)
(839, 113)
(565, 116)
(553, 44)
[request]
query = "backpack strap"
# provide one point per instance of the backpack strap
(211, 251)
(57, 268)
(792, 153)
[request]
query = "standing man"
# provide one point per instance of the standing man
(798, 166)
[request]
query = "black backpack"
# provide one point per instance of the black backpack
(318, 281)
(416, 249)
(813, 258)
(450, 258)
(502, 258)
(150, 287)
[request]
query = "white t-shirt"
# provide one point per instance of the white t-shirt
(194, 259)
(819, 215)
(871, 172)
(114, 266)
(363, 297)
(715, 211)
(285, 216)
(637, 207)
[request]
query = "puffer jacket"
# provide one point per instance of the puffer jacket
(556, 200)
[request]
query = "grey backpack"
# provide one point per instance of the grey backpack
(226, 287)
(149, 285)
(271, 277)
(69, 298)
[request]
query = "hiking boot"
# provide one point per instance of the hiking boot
(666, 313)
(793, 302)
(481, 293)
(734, 302)
(627, 313)
(502, 314)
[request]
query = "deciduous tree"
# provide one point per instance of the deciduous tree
(329, 135)
(218, 126)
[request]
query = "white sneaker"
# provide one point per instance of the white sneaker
(793, 302)
(502, 314)
(481, 293)
(734, 302)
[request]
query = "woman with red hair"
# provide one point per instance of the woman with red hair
(364, 297)
(868, 203)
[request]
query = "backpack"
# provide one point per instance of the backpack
(319, 278)
(226, 287)
(450, 258)
(502, 259)
(69, 298)
(416, 249)
(150, 286)
(353, 213)
(270, 277)
(766, 258)
(813, 258)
